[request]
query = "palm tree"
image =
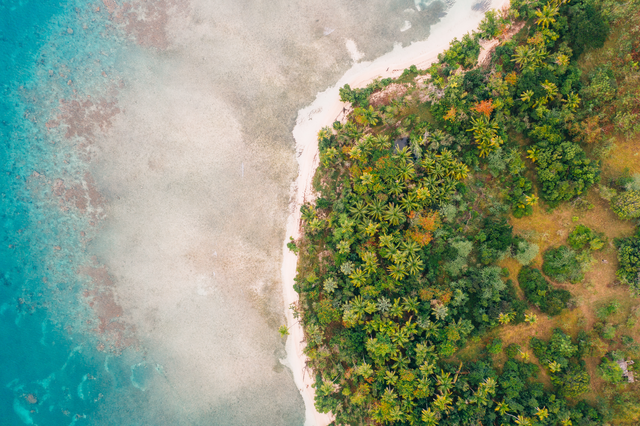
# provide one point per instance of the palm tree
(531, 200)
(542, 413)
(396, 188)
(308, 213)
(357, 306)
(325, 133)
(358, 277)
(523, 56)
(444, 382)
(572, 101)
(411, 304)
(527, 96)
(429, 417)
(359, 210)
(502, 407)
(415, 265)
(414, 142)
(550, 88)
(539, 55)
(376, 209)
(367, 116)
(546, 15)
(409, 203)
(399, 257)
(386, 241)
(505, 318)
(404, 154)
(394, 215)
(344, 247)
(396, 312)
(401, 362)
(523, 421)
(461, 171)
(370, 260)
(407, 172)
(531, 318)
(382, 142)
(367, 178)
(428, 164)
(352, 131)
(555, 366)
(443, 402)
(371, 229)
(397, 272)
(410, 246)
(439, 171)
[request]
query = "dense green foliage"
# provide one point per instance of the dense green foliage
(540, 293)
(610, 371)
(583, 238)
(629, 260)
(564, 171)
(613, 85)
(399, 260)
(562, 265)
(587, 28)
(627, 205)
(462, 53)
(562, 358)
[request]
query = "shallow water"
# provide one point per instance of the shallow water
(147, 159)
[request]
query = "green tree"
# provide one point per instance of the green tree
(547, 15)
(610, 371)
(627, 205)
(629, 261)
(561, 264)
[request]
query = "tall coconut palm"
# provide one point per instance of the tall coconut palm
(444, 382)
(406, 172)
(429, 417)
(370, 260)
(411, 304)
(550, 88)
(428, 163)
(358, 277)
(443, 402)
(382, 142)
(409, 203)
(397, 272)
(359, 210)
(376, 209)
(403, 155)
(414, 265)
(396, 187)
(386, 241)
(410, 247)
(371, 229)
(546, 15)
(572, 101)
(523, 56)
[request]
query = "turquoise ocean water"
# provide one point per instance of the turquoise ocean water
(146, 160)
(58, 368)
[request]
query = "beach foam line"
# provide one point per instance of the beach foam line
(324, 110)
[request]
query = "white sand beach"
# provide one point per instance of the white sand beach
(326, 109)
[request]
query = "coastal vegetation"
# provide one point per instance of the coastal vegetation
(446, 274)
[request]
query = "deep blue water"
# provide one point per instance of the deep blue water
(56, 369)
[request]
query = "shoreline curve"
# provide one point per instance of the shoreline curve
(324, 110)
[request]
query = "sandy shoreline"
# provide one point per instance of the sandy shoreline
(326, 109)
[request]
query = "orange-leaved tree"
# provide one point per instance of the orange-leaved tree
(484, 107)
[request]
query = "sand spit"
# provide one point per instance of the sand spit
(326, 109)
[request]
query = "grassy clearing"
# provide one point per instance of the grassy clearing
(550, 228)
